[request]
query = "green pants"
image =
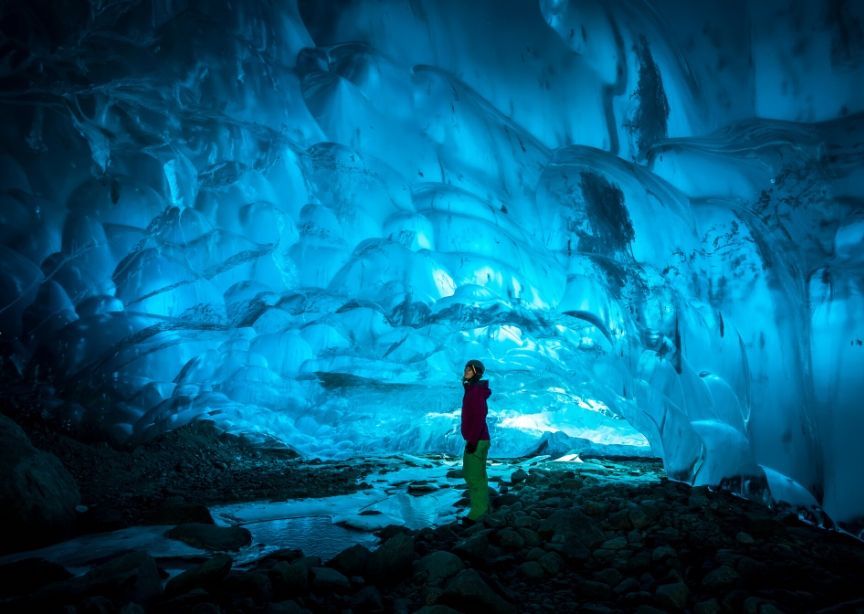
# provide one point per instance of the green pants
(474, 471)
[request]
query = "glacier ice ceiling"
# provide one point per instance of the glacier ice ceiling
(299, 219)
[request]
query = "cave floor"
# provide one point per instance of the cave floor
(571, 534)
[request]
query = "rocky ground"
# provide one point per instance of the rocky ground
(556, 541)
(175, 477)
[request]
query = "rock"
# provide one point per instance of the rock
(438, 566)
(534, 554)
(206, 576)
(254, 585)
(130, 577)
(289, 579)
(616, 543)
(211, 537)
(529, 536)
(367, 599)
(661, 553)
(638, 518)
(590, 589)
(179, 512)
(436, 609)
(532, 569)
(627, 585)
(327, 579)
(421, 488)
(475, 547)
(571, 527)
(720, 577)
(744, 538)
(195, 600)
(551, 562)
(609, 576)
(37, 495)
(286, 607)
(27, 575)
(674, 595)
(518, 476)
(392, 561)
(352, 561)
(467, 590)
(709, 606)
(510, 539)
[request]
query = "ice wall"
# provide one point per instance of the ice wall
(300, 219)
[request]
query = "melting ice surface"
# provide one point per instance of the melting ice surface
(413, 492)
(299, 221)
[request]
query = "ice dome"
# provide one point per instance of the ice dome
(299, 220)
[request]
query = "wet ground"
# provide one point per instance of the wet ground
(379, 535)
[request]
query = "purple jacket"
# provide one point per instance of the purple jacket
(474, 411)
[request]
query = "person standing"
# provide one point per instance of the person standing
(477, 441)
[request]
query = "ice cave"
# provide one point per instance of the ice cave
(274, 231)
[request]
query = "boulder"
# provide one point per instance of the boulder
(27, 575)
(211, 537)
(438, 566)
(570, 527)
(206, 576)
(352, 561)
(327, 579)
(392, 561)
(467, 591)
(37, 495)
(130, 577)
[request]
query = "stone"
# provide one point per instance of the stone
(367, 599)
(130, 577)
(289, 579)
(610, 576)
(352, 561)
(534, 554)
(27, 575)
(616, 543)
(590, 588)
(674, 595)
(709, 606)
(467, 590)
(392, 561)
(206, 576)
(532, 569)
(518, 476)
(436, 609)
(475, 547)
(286, 607)
(721, 577)
(180, 512)
(38, 496)
(638, 518)
(627, 585)
(569, 526)
(661, 553)
(327, 579)
(744, 538)
(510, 539)
(529, 536)
(438, 566)
(551, 562)
(254, 585)
(211, 537)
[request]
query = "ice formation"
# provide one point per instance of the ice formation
(298, 220)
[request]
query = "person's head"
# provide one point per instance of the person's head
(474, 370)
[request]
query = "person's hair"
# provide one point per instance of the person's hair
(478, 367)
